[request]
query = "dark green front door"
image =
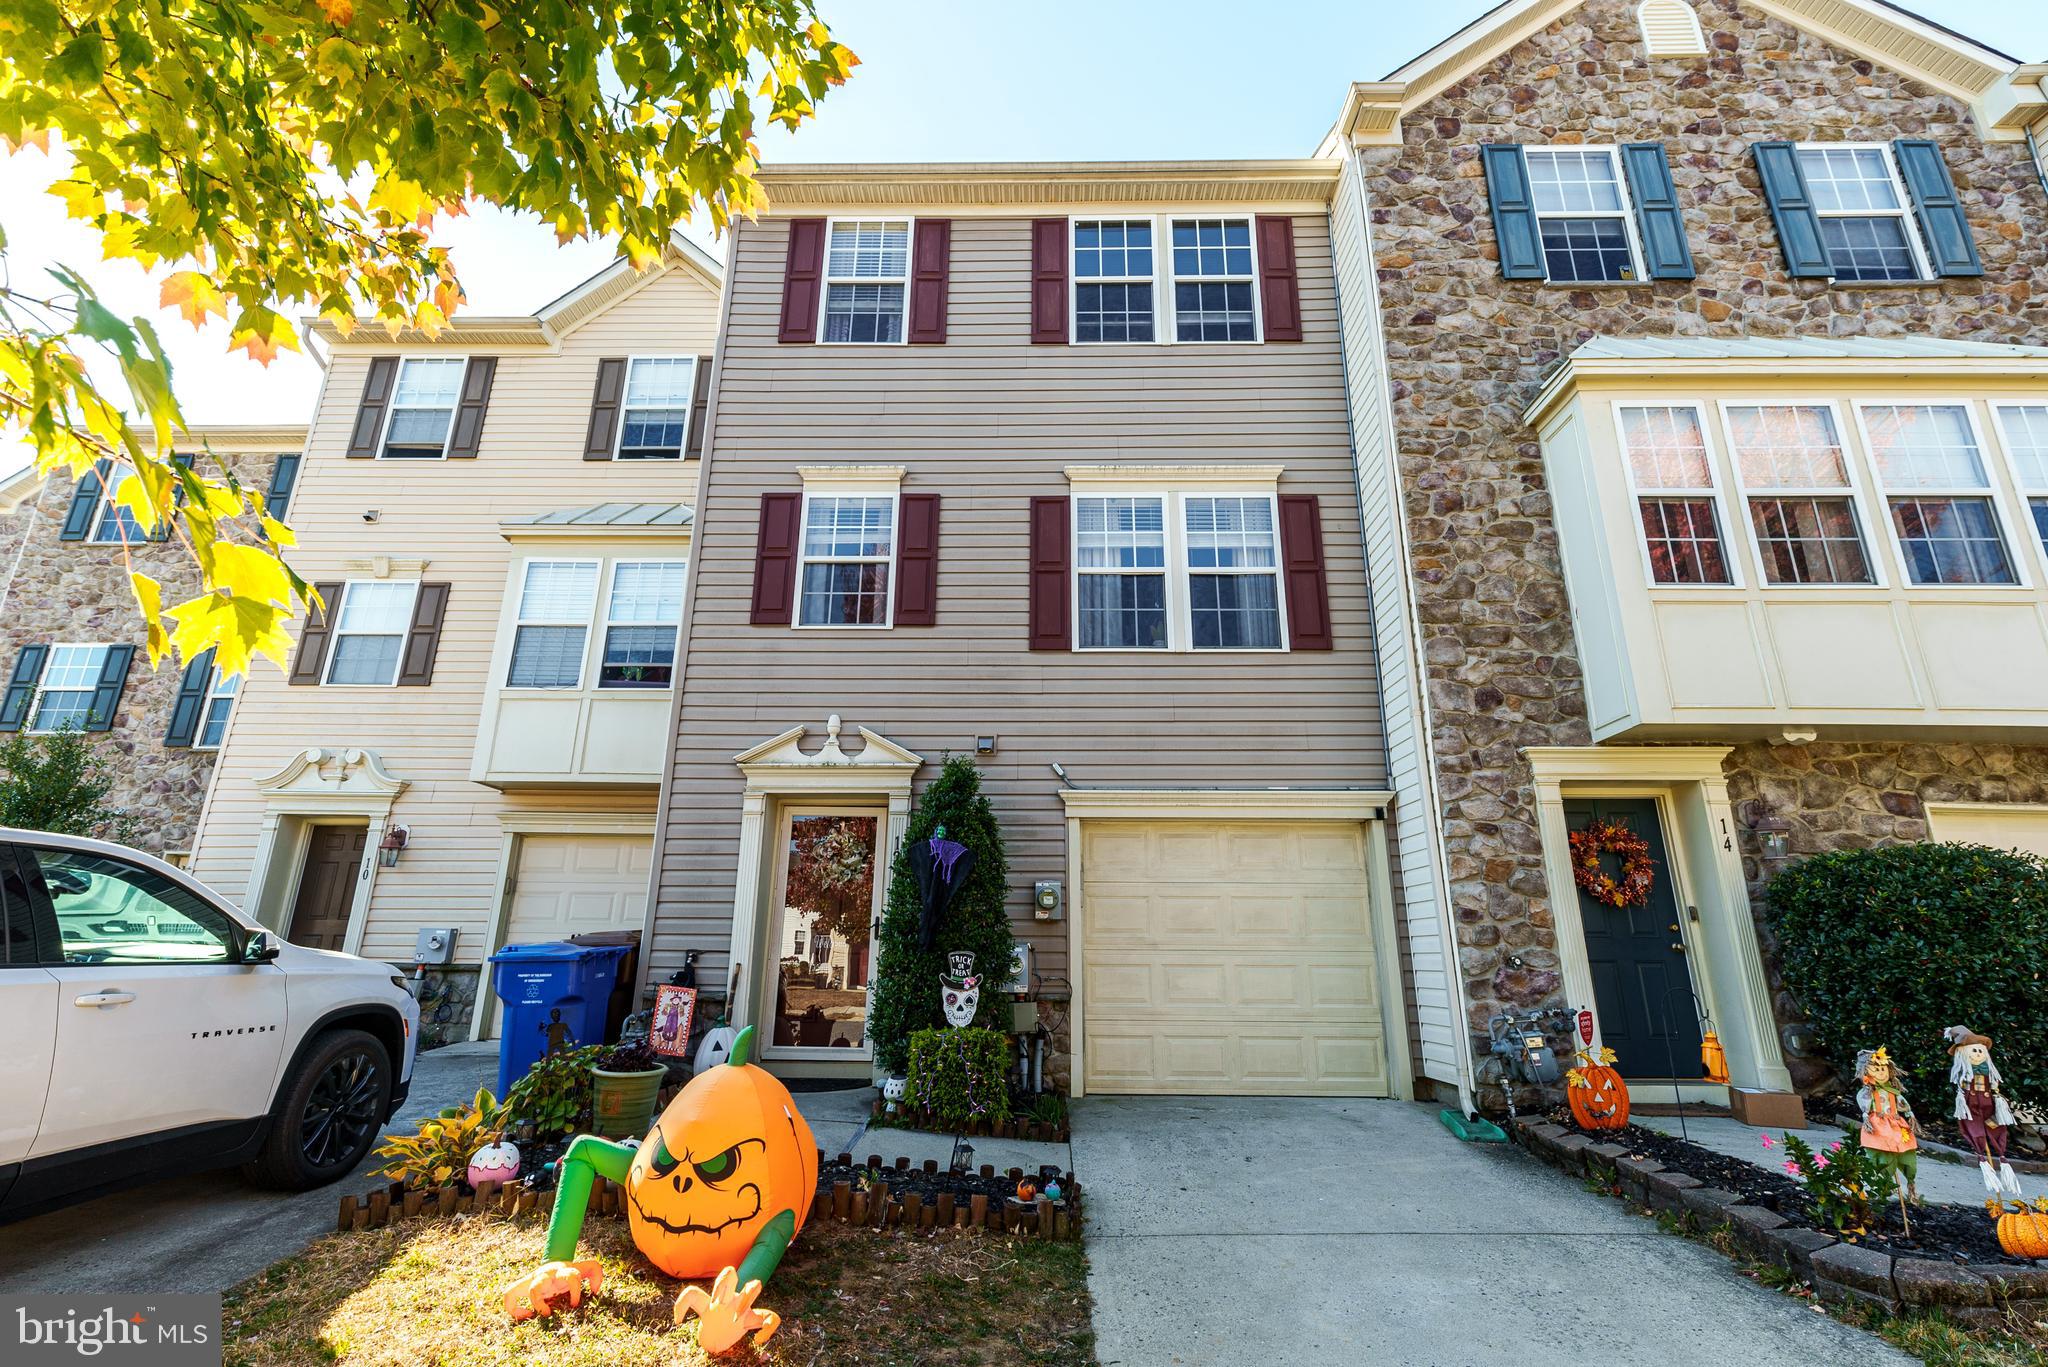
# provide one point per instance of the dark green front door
(1642, 985)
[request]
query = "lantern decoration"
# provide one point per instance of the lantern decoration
(497, 1162)
(1982, 1113)
(1599, 838)
(2023, 1229)
(1598, 1096)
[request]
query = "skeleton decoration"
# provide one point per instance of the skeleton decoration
(940, 868)
(960, 989)
(1981, 1110)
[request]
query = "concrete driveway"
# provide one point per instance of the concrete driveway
(208, 1231)
(1305, 1232)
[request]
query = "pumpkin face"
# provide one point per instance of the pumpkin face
(728, 1155)
(2024, 1233)
(1602, 1103)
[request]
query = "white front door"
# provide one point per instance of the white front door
(828, 882)
(156, 1027)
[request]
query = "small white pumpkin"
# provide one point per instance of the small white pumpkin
(716, 1048)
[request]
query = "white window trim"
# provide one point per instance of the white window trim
(689, 402)
(1731, 549)
(1904, 212)
(1854, 491)
(108, 505)
(2024, 492)
(598, 589)
(35, 703)
(1994, 490)
(826, 280)
(1627, 214)
(336, 633)
(605, 623)
(206, 702)
(1180, 611)
(391, 405)
(850, 488)
(1165, 321)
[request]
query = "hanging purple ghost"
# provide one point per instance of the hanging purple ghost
(941, 867)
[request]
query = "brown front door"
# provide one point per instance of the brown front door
(334, 859)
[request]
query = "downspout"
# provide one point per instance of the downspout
(1421, 718)
(2040, 165)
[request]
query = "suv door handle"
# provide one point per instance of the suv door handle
(103, 999)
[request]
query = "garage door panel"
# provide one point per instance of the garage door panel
(1343, 1060)
(1181, 989)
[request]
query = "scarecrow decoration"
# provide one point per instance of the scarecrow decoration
(717, 1189)
(1981, 1110)
(1890, 1129)
(940, 867)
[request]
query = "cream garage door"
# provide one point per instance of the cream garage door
(569, 884)
(1229, 957)
(2006, 828)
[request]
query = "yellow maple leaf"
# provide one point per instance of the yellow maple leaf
(404, 200)
(250, 572)
(149, 596)
(238, 629)
(263, 334)
(338, 12)
(193, 295)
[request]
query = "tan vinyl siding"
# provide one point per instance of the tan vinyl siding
(447, 513)
(987, 421)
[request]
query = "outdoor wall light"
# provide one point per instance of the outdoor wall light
(394, 841)
(1773, 832)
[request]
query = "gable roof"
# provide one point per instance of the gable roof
(1992, 83)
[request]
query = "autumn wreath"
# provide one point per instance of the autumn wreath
(1632, 889)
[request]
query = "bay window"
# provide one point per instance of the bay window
(1671, 474)
(643, 613)
(2026, 437)
(1795, 478)
(1938, 491)
(555, 602)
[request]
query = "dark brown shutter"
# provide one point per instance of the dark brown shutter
(802, 276)
(1049, 281)
(1051, 594)
(423, 638)
(309, 665)
(917, 562)
(700, 407)
(106, 693)
(604, 409)
(370, 414)
(468, 435)
(931, 260)
(1308, 581)
(1279, 280)
(775, 559)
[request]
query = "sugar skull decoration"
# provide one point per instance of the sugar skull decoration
(1890, 1130)
(1982, 1113)
(940, 868)
(960, 990)
(494, 1163)
(717, 1189)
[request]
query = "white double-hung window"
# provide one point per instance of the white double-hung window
(369, 631)
(654, 414)
(1938, 490)
(867, 280)
(1204, 285)
(1177, 571)
(643, 612)
(555, 602)
(64, 691)
(220, 702)
(1113, 270)
(115, 523)
(423, 407)
(1865, 220)
(848, 555)
(1671, 475)
(1795, 476)
(1213, 282)
(1582, 215)
(2026, 437)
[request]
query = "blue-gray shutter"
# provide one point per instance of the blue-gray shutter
(190, 707)
(1666, 255)
(106, 694)
(21, 688)
(1514, 212)
(85, 506)
(1949, 247)
(1777, 163)
(283, 476)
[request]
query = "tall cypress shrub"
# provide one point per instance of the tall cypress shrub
(906, 987)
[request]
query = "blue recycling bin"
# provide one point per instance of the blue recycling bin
(555, 995)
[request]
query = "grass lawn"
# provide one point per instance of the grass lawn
(427, 1293)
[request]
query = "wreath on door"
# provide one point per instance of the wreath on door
(1632, 888)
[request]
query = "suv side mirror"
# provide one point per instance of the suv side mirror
(260, 948)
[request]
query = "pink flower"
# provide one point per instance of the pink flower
(1769, 1142)
(1835, 1147)
(1791, 1168)
(1820, 1160)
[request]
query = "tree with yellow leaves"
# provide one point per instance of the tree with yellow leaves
(296, 154)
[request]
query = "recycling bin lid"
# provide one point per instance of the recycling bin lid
(544, 951)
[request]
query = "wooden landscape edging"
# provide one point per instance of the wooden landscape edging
(1016, 1127)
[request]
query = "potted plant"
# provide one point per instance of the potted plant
(625, 1080)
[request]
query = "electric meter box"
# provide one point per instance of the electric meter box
(434, 945)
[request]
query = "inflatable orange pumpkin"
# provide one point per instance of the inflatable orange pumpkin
(729, 1154)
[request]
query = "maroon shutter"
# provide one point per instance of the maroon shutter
(1049, 282)
(310, 664)
(802, 275)
(1279, 284)
(775, 559)
(700, 407)
(468, 436)
(1050, 571)
(604, 409)
(930, 267)
(1308, 582)
(423, 638)
(917, 562)
(369, 426)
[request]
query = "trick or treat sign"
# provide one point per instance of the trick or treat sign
(960, 989)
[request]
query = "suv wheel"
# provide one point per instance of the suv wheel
(331, 1108)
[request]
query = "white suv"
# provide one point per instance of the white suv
(146, 1028)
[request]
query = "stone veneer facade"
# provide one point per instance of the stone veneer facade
(79, 591)
(1467, 350)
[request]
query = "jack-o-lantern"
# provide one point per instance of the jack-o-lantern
(2023, 1230)
(729, 1154)
(1598, 1096)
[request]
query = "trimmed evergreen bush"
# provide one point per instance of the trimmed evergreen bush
(905, 998)
(1890, 946)
(960, 1075)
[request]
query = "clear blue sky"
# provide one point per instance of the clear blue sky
(1051, 80)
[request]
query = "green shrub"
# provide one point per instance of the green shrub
(1890, 946)
(554, 1096)
(960, 1075)
(58, 783)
